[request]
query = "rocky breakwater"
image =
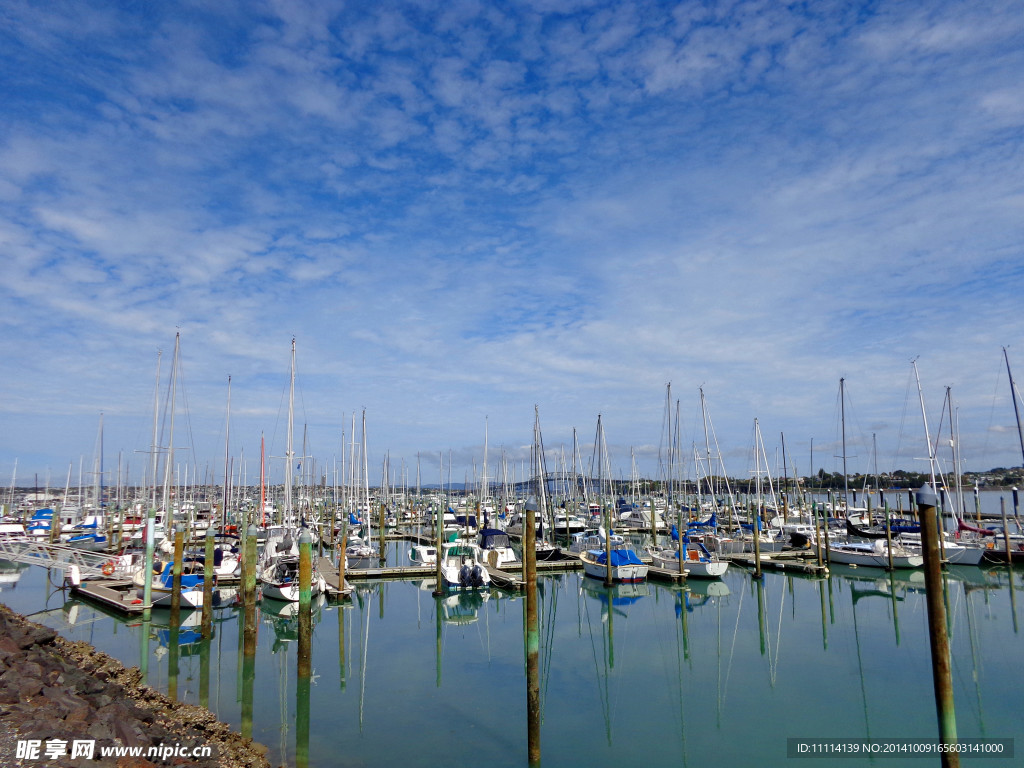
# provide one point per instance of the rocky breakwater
(55, 694)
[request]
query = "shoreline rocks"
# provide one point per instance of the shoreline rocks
(55, 689)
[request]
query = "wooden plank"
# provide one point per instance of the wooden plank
(665, 574)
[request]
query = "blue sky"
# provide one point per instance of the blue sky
(463, 212)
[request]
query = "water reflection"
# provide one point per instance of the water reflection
(10, 574)
(669, 673)
(283, 618)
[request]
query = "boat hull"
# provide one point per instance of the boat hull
(874, 559)
(161, 598)
(697, 569)
(630, 573)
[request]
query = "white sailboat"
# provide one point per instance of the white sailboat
(698, 561)
(872, 553)
(278, 568)
(618, 564)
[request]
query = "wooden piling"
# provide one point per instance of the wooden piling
(147, 582)
(888, 536)
(817, 532)
(249, 593)
(179, 553)
(1006, 532)
(305, 603)
(758, 574)
(942, 678)
(207, 627)
(532, 640)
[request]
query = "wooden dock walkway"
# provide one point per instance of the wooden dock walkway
(118, 594)
(780, 561)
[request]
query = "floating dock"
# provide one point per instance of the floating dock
(118, 594)
(796, 562)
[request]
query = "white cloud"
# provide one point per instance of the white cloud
(472, 210)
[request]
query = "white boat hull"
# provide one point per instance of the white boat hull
(629, 573)
(848, 554)
(697, 569)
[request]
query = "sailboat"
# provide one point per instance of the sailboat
(279, 571)
(359, 551)
(698, 563)
(162, 588)
(620, 564)
(877, 553)
(538, 503)
(161, 576)
(278, 568)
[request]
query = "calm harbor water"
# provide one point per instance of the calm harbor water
(648, 674)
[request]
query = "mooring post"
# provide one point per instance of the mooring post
(305, 661)
(532, 639)
(757, 543)
(1006, 532)
(341, 559)
(207, 628)
(147, 582)
(937, 633)
(888, 537)
(383, 553)
(249, 593)
(817, 532)
(305, 601)
(438, 560)
(828, 551)
(179, 551)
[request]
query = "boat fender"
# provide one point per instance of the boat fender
(108, 568)
(73, 576)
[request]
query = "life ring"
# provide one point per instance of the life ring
(108, 568)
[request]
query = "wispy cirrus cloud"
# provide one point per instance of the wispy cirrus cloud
(465, 211)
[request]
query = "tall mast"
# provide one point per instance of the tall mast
(842, 411)
(169, 463)
(670, 460)
(785, 478)
(289, 451)
(954, 444)
(1016, 407)
(353, 494)
(99, 468)
(227, 453)
(757, 471)
(366, 473)
(156, 408)
(483, 479)
(924, 416)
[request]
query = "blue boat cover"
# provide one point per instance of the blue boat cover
(493, 537)
(620, 557)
